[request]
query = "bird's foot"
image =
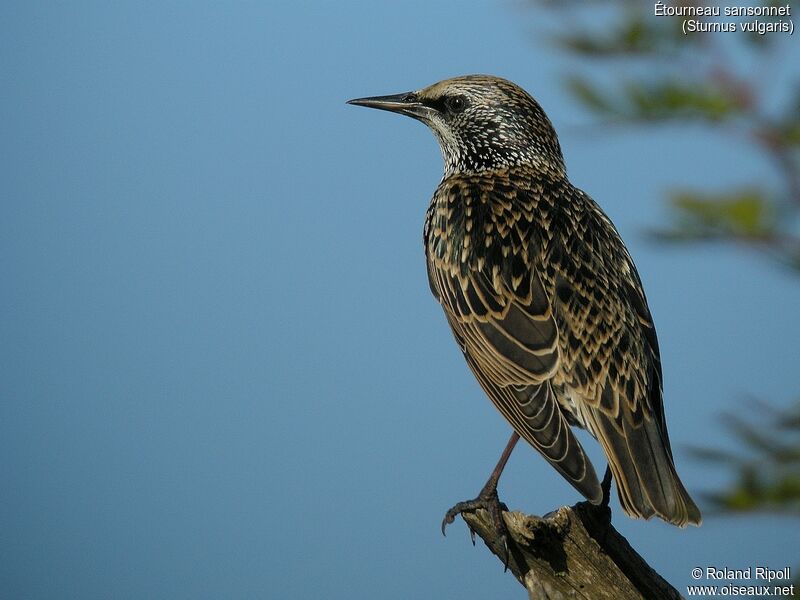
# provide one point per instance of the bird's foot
(490, 502)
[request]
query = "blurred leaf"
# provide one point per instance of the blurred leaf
(713, 455)
(591, 96)
(764, 438)
(789, 125)
(791, 132)
(768, 470)
(659, 101)
(635, 35)
(765, 41)
(754, 492)
(679, 100)
(790, 418)
(741, 214)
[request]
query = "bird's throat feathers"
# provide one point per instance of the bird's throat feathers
(491, 150)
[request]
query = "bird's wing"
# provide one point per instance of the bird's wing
(613, 367)
(506, 329)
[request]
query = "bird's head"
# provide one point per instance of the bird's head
(481, 122)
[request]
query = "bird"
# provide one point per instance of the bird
(543, 299)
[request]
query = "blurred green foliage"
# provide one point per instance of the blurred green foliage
(657, 101)
(743, 214)
(661, 75)
(766, 462)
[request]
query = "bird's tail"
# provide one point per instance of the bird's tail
(641, 463)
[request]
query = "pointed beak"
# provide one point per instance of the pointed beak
(405, 104)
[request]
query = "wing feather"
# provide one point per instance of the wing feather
(512, 348)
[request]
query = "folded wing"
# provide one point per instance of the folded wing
(506, 330)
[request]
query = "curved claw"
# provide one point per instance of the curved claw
(489, 501)
(450, 516)
(506, 553)
(468, 506)
(445, 522)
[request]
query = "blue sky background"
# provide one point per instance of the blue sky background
(223, 374)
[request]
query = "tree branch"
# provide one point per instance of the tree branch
(574, 552)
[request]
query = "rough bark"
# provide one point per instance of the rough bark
(573, 553)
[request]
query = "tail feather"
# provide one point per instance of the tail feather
(628, 488)
(640, 462)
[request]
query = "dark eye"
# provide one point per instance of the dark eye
(455, 104)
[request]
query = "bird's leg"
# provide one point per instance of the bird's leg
(602, 510)
(606, 487)
(488, 500)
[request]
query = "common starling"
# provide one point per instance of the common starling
(543, 298)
